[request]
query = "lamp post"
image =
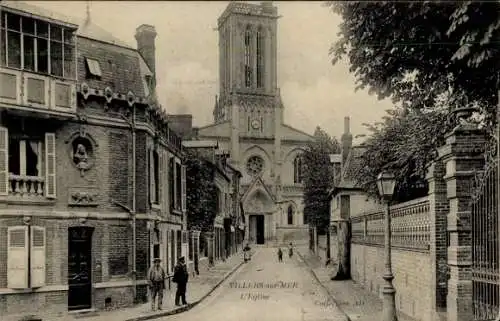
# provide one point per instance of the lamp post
(385, 184)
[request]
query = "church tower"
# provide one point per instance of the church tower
(249, 95)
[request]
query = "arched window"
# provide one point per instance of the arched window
(260, 58)
(297, 170)
(290, 215)
(248, 60)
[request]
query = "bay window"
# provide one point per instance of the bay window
(36, 45)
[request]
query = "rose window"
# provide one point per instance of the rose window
(255, 165)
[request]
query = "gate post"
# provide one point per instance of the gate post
(438, 209)
(462, 155)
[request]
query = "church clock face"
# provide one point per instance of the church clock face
(255, 124)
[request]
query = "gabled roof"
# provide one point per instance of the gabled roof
(215, 130)
(349, 168)
(257, 184)
(90, 30)
(290, 133)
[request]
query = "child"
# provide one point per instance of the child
(280, 255)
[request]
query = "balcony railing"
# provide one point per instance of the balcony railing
(36, 91)
(23, 185)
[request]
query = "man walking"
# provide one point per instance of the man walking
(181, 277)
(280, 255)
(156, 280)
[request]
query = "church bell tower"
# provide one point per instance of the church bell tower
(247, 55)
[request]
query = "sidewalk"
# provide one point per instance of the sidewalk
(199, 287)
(357, 303)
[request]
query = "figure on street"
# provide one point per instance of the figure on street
(280, 255)
(181, 277)
(246, 253)
(290, 250)
(156, 281)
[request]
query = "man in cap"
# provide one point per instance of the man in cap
(156, 280)
(181, 277)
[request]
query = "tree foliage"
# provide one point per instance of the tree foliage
(318, 178)
(430, 57)
(416, 51)
(404, 142)
(200, 193)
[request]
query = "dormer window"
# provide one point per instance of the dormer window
(36, 45)
(93, 68)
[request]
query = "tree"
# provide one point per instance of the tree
(428, 57)
(318, 178)
(416, 51)
(200, 193)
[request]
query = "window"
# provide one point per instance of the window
(297, 170)
(171, 181)
(248, 60)
(31, 164)
(172, 250)
(290, 215)
(26, 257)
(154, 181)
(260, 58)
(255, 165)
(93, 68)
(36, 45)
(178, 186)
(179, 243)
(156, 243)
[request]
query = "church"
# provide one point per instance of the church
(249, 125)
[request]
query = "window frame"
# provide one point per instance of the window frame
(68, 66)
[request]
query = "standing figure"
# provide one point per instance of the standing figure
(290, 250)
(181, 277)
(246, 253)
(156, 280)
(280, 255)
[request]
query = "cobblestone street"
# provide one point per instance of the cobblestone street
(265, 289)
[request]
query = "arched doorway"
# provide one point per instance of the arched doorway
(290, 215)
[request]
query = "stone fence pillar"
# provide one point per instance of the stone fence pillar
(463, 154)
(210, 246)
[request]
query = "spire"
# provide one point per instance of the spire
(87, 18)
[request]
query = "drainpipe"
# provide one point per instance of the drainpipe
(133, 209)
(134, 227)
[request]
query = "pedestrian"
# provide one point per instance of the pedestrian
(280, 255)
(156, 281)
(181, 277)
(246, 253)
(290, 250)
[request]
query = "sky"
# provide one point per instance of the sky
(314, 92)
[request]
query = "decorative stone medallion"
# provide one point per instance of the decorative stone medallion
(81, 152)
(83, 196)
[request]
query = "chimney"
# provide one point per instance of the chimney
(182, 125)
(346, 140)
(145, 36)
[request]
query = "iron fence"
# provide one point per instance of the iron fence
(485, 280)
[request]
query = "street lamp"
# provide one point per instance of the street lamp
(385, 183)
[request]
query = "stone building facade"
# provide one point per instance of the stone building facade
(92, 184)
(249, 124)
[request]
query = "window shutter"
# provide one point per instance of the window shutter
(38, 256)
(4, 161)
(164, 179)
(160, 179)
(183, 187)
(50, 163)
(17, 257)
(185, 245)
(151, 178)
(171, 183)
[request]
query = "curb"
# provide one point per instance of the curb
(191, 305)
(331, 297)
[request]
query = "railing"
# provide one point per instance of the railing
(410, 226)
(484, 226)
(23, 185)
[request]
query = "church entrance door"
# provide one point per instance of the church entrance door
(260, 237)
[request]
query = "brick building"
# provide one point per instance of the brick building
(92, 183)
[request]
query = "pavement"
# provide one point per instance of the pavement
(267, 290)
(352, 299)
(198, 288)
